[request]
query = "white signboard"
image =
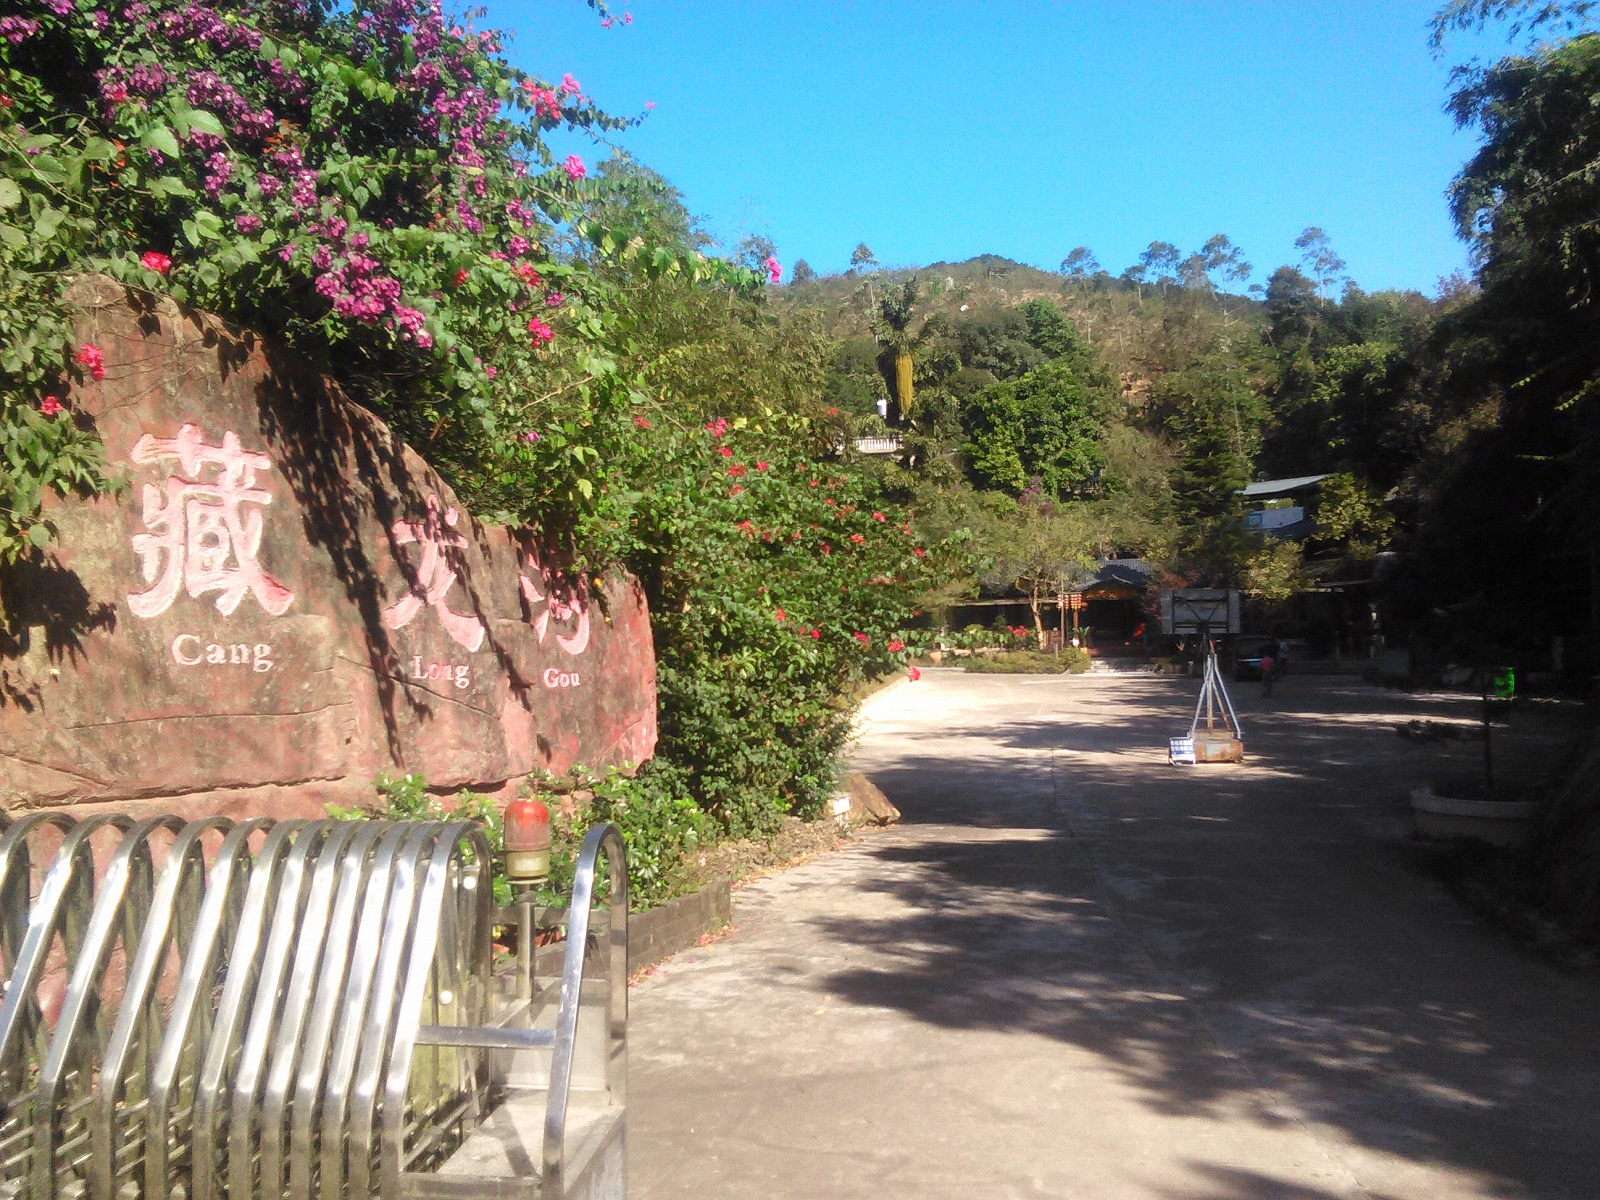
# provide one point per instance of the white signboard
(1193, 610)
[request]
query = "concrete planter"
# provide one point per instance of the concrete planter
(678, 924)
(654, 935)
(1498, 822)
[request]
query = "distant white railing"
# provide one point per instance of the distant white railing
(878, 445)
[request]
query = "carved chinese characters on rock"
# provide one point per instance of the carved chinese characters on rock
(204, 527)
(435, 575)
(551, 598)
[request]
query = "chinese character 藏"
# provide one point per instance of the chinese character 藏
(202, 537)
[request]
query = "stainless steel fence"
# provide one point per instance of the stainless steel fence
(303, 1008)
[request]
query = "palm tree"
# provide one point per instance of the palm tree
(892, 328)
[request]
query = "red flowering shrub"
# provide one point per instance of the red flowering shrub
(767, 606)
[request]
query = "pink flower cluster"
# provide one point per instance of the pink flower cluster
(17, 29)
(146, 79)
(774, 270)
(221, 170)
(356, 288)
(546, 104)
(303, 192)
(208, 90)
(354, 282)
(256, 126)
(717, 427)
(90, 356)
(442, 85)
(409, 322)
(288, 86)
(302, 181)
(197, 23)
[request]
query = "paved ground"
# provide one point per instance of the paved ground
(1075, 971)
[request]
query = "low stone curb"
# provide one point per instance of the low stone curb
(661, 932)
(1498, 822)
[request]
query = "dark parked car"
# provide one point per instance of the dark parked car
(1248, 654)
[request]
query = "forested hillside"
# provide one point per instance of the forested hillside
(1081, 413)
(1125, 412)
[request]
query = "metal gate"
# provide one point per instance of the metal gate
(300, 1008)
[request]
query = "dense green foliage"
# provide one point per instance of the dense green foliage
(660, 825)
(1039, 427)
(776, 583)
(1074, 660)
(1520, 360)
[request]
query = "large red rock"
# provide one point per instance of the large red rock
(287, 601)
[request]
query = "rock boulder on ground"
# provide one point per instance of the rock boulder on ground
(868, 804)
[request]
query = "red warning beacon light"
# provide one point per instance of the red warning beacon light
(527, 841)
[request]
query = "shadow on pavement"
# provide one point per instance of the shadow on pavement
(1251, 938)
(1225, 1183)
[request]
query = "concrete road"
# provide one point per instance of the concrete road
(1075, 971)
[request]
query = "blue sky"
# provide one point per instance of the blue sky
(943, 130)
